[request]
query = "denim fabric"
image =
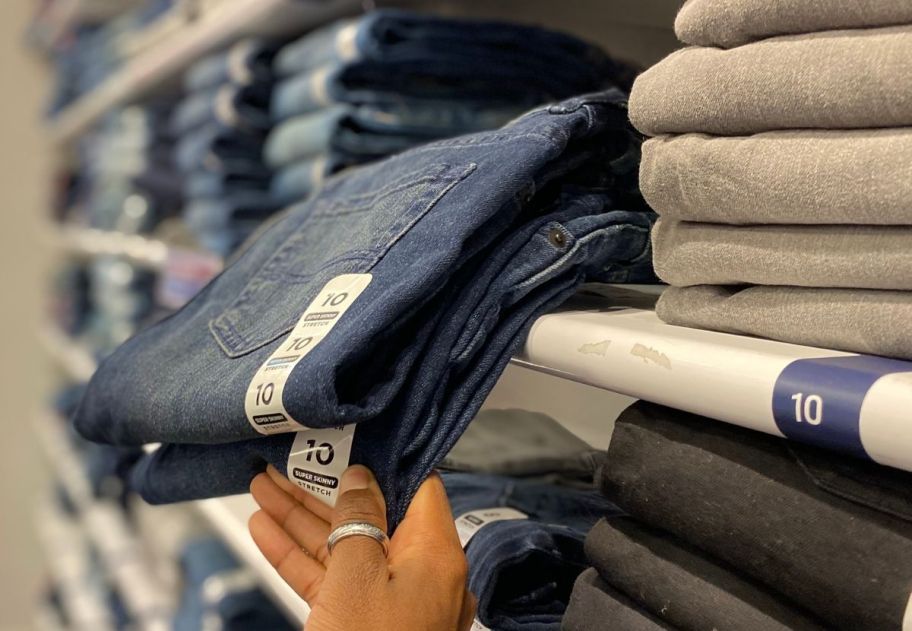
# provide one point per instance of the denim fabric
(683, 586)
(225, 184)
(522, 443)
(522, 571)
(245, 107)
(244, 63)
(353, 134)
(231, 606)
(217, 147)
(221, 224)
(596, 606)
(831, 533)
(297, 181)
(387, 53)
(468, 240)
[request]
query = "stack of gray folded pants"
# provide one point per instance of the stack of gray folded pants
(780, 164)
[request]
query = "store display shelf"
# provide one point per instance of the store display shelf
(228, 516)
(61, 17)
(70, 570)
(104, 523)
(163, 62)
(845, 401)
(73, 356)
(90, 242)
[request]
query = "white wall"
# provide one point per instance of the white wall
(24, 177)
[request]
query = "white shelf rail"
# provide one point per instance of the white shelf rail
(228, 516)
(863, 401)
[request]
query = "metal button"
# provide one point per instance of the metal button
(557, 238)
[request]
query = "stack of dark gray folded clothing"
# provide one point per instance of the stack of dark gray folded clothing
(781, 165)
(732, 529)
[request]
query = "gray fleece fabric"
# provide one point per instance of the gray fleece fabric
(829, 80)
(729, 23)
(860, 257)
(858, 321)
(859, 176)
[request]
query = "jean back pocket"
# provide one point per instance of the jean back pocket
(347, 229)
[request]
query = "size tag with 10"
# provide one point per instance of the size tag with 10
(318, 456)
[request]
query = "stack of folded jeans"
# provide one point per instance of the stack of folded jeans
(366, 88)
(92, 53)
(222, 123)
(522, 565)
(458, 245)
(522, 569)
(220, 594)
(732, 529)
(128, 182)
(780, 171)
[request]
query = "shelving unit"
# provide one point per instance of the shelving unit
(160, 65)
(120, 552)
(228, 516)
(70, 571)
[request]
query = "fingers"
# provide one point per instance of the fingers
(306, 529)
(311, 503)
(428, 525)
(359, 560)
(469, 608)
(304, 574)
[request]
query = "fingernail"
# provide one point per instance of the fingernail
(354, 478)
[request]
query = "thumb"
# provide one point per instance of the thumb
(358, 560)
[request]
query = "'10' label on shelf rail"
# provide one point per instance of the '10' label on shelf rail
(819, 401)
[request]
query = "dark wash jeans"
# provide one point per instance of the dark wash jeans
(522, 571)
(388, 54)
(467, 240)
(831, 533)
(246, 62)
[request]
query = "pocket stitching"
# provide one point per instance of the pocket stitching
(222, 327)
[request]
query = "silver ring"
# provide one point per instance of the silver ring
(357, 529)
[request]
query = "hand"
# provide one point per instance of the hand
(421, 586)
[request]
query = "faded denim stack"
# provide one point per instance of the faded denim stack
(222, 124)
(780, 168)
(365, 88)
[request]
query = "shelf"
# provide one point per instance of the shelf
(70, 568)
(731, 378)
(61, 17)
(736, 379)
(121, 551)
(105, 525)
(89, 242)
(228, 516)
(162, 63)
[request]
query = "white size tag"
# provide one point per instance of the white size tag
(317, 459)
(470, 523)
(477, 626)
(263, 403)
